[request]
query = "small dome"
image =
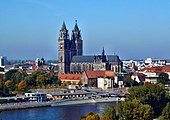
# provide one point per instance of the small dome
(37, 60)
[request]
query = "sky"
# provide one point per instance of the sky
(132, 29)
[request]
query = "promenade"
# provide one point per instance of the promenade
(23, 105)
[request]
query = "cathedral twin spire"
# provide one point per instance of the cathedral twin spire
(75, 32)
(67, 48)
(63, 28)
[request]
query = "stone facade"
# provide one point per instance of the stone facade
(68, 48)
(71, 59)
(80, 64)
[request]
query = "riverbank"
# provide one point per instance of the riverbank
(23, 105)
(83, 101)
(28, 105)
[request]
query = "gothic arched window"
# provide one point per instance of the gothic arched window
(61, 59)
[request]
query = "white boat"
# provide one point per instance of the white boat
(83, 101)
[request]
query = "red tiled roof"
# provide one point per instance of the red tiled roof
(30, 63)
(70, 76)
(157, 69)
(103, 73)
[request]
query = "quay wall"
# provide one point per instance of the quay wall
(25, 105)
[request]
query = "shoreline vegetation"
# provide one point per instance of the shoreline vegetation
(143, 103)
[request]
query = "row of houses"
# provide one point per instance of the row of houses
(150, 74)
(104, 79)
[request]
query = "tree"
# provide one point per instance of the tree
(92, 116)
(135, 110)
(31, 82)
(154, 95)
(110, 114)
(163, 78)
(80, 82)
(9, 74)
(130, 83)
(1, 82)
(15, 76)
(166, 113)
(8, 83)
(42, 80)
(22, 85)
(1, 69)
(54, 79)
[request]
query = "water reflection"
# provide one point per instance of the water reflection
(72, 112)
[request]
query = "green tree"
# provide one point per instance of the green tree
(9, 74)
(42, 80)
(53, 78)
(154, 95)
(163, 78)
(1, 69)
(15, 76)
(135, 110)
(166, 113)
(5, 91)
(37, 73)
(110, 114)
(130, 83)
(31, 82)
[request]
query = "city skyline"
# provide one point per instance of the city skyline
(130, 29)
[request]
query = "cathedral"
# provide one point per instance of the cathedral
(71, 59)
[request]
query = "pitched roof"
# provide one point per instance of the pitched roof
(63, 28)
(80, 59)
(157, 69)
(76, 28)
(113, 58)
(103, 73)
(141, 76)
(70, 76)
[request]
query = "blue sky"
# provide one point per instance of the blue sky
(133, 29)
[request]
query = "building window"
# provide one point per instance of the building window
(61, 59)
(61, 46)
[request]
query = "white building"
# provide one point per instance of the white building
(155, 62)
(105, 83)
(37, 96)
(109, 82)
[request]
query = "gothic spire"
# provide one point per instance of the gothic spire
(76, 28)
(103, 52)
(63, 28)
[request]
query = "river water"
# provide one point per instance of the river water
(70, 112)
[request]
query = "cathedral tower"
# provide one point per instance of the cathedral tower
(76, 44)
(64, 50)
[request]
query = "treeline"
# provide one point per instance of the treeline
(142, 103)
(15, 81)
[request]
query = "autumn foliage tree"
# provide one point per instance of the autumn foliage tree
(22, 85)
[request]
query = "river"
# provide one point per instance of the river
(70, 112)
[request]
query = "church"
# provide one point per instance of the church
(72, 60)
